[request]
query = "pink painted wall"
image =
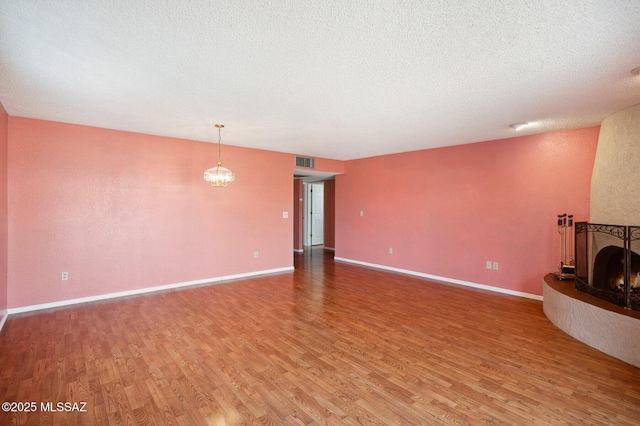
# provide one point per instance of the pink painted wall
(446, 211)
(328, 165)
(330, 213)
(122, 211)
(4, 207)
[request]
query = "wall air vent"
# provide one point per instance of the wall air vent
(305, 162)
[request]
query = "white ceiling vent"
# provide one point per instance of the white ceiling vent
(305, 162)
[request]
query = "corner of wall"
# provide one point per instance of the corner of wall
(4, 216)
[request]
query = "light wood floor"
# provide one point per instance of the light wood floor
(326, 344)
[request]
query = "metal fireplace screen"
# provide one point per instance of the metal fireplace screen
(607, 259)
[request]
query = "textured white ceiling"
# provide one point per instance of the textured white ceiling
(338, 79)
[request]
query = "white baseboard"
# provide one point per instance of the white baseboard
(5, 315)
(217, 280)
(298, 250)
(444, 279)
(329, 248)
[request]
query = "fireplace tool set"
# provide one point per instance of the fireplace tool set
(566, 268)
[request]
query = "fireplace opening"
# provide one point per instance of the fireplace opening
(607, 262)
(609, 269)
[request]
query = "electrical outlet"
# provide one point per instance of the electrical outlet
(390, 250)
(255, 254)
(361, 213)
(495, 266)
(488, 264)
(285, 215)
(65, 276)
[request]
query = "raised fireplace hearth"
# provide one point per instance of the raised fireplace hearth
(607, 262)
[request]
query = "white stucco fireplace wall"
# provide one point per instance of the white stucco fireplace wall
(615, 182)
(615, 199)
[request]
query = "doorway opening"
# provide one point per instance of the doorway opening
(314, 212)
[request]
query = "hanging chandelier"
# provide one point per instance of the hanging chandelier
(218, 175)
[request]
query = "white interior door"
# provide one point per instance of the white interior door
(317, 213)
(313, 212)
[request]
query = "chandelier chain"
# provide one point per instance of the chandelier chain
(219, 126)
